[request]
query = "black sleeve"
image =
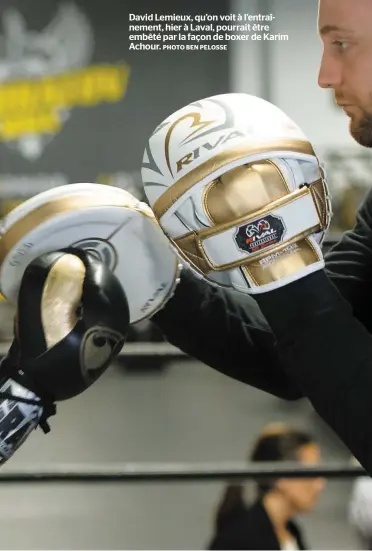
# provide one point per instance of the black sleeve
(323, 336)
(349, 265)
(225, 330)
(328, 352)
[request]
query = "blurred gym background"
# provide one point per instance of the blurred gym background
(77, 106)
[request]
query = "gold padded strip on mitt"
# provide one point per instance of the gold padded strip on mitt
(55, 207)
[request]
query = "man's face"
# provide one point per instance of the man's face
(345, 27)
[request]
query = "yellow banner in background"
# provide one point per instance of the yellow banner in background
(36, 106)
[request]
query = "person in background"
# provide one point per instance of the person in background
(268, 522)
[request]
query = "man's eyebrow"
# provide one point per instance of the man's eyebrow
(326, 29)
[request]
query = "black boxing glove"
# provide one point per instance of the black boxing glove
(71, 322)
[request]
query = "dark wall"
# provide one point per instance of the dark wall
(56, 50)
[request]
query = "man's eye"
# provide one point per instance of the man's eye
(340, 44)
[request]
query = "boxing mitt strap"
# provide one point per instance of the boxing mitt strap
(254, 235)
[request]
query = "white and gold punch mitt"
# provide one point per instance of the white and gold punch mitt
(239, 191)
(108, 222)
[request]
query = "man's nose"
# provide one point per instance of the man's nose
(330, 74)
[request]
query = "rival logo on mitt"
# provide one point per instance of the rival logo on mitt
(260, 234)
(193, 155)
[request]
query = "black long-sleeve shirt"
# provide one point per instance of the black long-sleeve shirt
(310, 338)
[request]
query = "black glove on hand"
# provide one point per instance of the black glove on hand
(71, 323)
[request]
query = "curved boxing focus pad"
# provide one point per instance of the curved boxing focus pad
(71, 323)
(108, 222)
(238, 190)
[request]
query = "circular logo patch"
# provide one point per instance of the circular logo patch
(260, 234)
(100, 249)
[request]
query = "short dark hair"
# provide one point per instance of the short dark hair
(279, 443)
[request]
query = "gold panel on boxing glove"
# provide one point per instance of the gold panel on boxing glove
(225, 199)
